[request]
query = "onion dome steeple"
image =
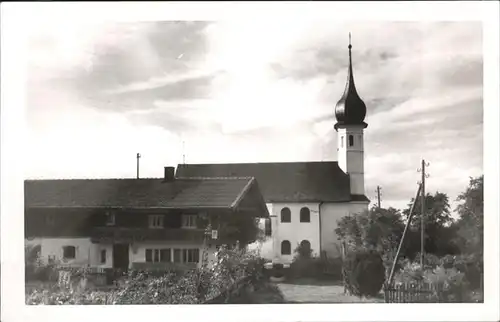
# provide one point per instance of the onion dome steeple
(350, 109)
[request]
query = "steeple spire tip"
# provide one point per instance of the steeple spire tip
(350, 46)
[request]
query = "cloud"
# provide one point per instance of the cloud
(107, 72)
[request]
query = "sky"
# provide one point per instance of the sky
(238, 91)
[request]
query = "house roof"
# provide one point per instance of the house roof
(284, 181)
(139, 193)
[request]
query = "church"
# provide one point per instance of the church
(306, 199)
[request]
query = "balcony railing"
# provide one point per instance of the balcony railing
(127, 235)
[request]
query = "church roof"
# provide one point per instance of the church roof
(141, 193)
(350, 109)
(284, 181)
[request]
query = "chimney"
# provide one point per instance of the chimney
(169, 174)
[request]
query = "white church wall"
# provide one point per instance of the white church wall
(295, 231)
(330, 214)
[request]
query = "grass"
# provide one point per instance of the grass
(319, 291)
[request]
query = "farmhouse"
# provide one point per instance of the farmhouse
(133, 223)
(305, 199)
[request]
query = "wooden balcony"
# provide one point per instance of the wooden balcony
(129, 235)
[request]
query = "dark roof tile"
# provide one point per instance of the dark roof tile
(284, 181)
(136, 193)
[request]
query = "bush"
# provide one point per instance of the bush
(364, 272)
(470, 265)
(409, 273)
(449, 283)
(305, 267)
(452, 284)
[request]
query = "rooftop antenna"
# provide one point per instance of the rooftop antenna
(138, 157)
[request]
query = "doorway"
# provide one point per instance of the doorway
(121, 256)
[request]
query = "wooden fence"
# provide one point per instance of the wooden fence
(420, 292)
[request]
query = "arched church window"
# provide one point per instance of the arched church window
(342, 141)
(351, 140)
(305, 245)
(286, 248)
(286, 215)
(305, 215)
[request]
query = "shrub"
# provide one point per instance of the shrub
(430, 260)
(364, 272)
(450, 283)
(470, 265)
(409, 273)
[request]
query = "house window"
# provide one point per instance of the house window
(191, 255)
(103, 256)
(156, 221)
(286, 248)
(286, 215)
(351, 140)
(69, 252)
(305, 215)
(110, 218)
(177, 255)
(188, 221)
(268, 229)
(51, 259)
(157, 255)
(165, 255)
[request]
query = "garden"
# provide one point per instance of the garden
(236, 277)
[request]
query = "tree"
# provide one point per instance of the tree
(470, 223)
(438, 230)
(245, 229)
(376, 228)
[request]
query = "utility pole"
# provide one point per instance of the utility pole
(410, 216)
(138, 157)
(422, 212)
(378, 196)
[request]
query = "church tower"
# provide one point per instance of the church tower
(350, 113)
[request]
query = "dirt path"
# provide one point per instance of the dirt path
(300, 293)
